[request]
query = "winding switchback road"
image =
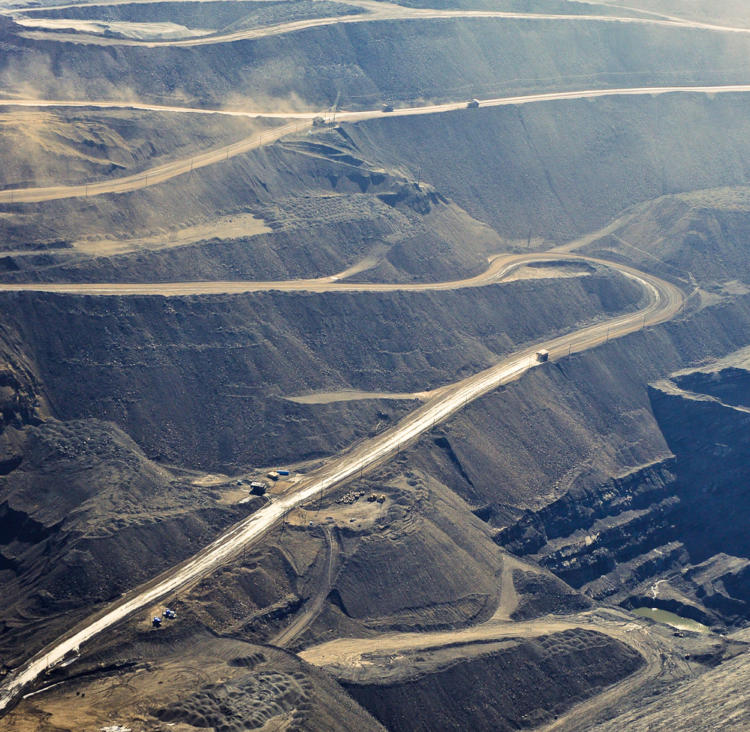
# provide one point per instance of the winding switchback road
(302, 120)
(662, 302)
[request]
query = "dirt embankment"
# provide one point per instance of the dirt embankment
(700, 235)
(208, 363)
(518, 169)
(522, 686)
(716, 699)
(369, 62)
(41, 147)
(169, 679)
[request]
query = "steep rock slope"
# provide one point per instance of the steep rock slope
(669, 535)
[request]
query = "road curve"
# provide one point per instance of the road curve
(377, 12)
(345, 658)
(664, 301)
(342, 654)
(302, 120)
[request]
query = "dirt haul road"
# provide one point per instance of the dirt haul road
(344, 655)
(315, 604)
(349, 657)
(664, 301)
(501, 267)
(375, 11)
(167, 171)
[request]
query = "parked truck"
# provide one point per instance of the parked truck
(258, 488)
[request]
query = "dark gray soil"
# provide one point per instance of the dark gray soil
(521, 687)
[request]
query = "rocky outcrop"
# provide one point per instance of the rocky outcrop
(670, 535)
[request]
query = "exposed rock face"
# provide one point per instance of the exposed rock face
(630, 496)
(21, 401)
(670, 535)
